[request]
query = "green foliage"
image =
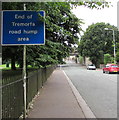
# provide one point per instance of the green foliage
(117, 52)
(51, 53)
(96, 42)
(108, 58)
(117, 56)
(61, 26)
(93, 4)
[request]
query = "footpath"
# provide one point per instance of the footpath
(56, 99)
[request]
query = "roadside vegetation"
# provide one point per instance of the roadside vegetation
(97, 44)
(62, 29)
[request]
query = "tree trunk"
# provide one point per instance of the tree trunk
(84, 60)
(13, 62)
(21, 65)
(96, 63)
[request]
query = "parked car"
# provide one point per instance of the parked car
(111, 68)
(91, 67)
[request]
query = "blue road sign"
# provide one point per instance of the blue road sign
(22, 28)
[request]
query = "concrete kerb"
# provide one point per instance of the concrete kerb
(85, 108)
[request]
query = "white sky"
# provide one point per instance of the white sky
(107, 15)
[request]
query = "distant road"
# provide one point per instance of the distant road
(97, 89)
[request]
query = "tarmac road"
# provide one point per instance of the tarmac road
(97, 89)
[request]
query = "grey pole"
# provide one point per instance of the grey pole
(114, 44)
(114, 47)
(24, 74)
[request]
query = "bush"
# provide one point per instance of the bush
(117, 57)
(108, 58)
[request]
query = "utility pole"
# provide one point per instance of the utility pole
(114, 47)
(24, 74)
(114, 44)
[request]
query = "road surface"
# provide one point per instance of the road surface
(97, 89)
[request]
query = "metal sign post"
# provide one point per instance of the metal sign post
(24, 74)
(24, 78)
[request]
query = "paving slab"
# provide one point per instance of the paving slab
(56, 99)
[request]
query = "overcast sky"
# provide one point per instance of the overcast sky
(107, 15)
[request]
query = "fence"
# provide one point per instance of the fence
(12, 93)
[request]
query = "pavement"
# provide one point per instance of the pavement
(58, 100)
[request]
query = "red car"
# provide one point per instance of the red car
(111, 68)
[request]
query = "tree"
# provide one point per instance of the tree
(117, 57)
(117, 52)
(61, 26)
(107, 58)
(96, 42)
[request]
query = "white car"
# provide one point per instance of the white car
(91, 67)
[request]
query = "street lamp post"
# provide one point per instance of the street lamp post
(114, 44)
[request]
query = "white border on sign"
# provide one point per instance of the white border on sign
(18, 44)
